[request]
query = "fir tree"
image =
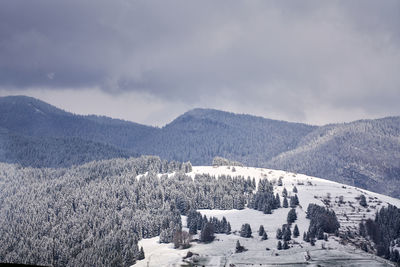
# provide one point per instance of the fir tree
(296, 232)
(292, 216)
(294, 201)
(207, 233)
(320, 234)
(363, 201)
(228, 229)
(279, 246)
(239, 248)
(141, 254)
(279, 233)
(285, 203)
(267, 209)
(277, 201)
(325, 237)
(294, 189)
(284, 192)
(265, 236)
(261, 230)
(245, 231)
(285, 245)
(286, 233)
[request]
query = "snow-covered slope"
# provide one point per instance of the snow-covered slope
(334, 252)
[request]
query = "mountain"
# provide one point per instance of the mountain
(31, 117)
(202, 134)
(363, 153)
(34, 133)
(198, 135)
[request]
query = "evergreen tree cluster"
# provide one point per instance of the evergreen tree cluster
(196, 222)
(264, 199)
(220, 161)
(284, 233)
(384, 232)
(284, 246)
(245, 231)
(321, 220)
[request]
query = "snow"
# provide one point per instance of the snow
(221, 252)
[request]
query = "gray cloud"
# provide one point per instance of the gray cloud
(281, 59)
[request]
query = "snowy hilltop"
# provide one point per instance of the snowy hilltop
(345, 246)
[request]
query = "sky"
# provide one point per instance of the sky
(148, 61)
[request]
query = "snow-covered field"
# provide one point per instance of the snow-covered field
(221, 252)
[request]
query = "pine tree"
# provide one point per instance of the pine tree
(296, 232)
(207, 233)
(285, 203)
(363, 201)
(261, 230)
(228, 229)
(279, 246)
(245, 231)
(277, 201)
(284, 192)
(280, 183)
(239, 248)
(279, 233)
(285, 245)
(287, 234)
(294, 201)
(141, 254)
(265, 236)
(320, 234)
(325, 237)
(193, 227)
(294, 189)
(267, 209)
(224, 225)
(292, 216)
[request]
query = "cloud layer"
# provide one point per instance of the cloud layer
(311, 61)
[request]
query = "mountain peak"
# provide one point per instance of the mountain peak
(27, 105)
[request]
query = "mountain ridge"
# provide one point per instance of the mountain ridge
(363, 152)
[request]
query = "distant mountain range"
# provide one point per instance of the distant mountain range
(363, 153)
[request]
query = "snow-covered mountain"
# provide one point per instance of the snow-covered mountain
(361, 153)
(340, 249)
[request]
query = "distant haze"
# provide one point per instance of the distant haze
(149, 61)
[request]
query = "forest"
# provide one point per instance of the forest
(94, 214)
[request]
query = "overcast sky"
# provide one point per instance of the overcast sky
(149, 61)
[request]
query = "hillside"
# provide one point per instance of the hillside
(53, 152)
(342, 249)
(364, 153)
(104, 212)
